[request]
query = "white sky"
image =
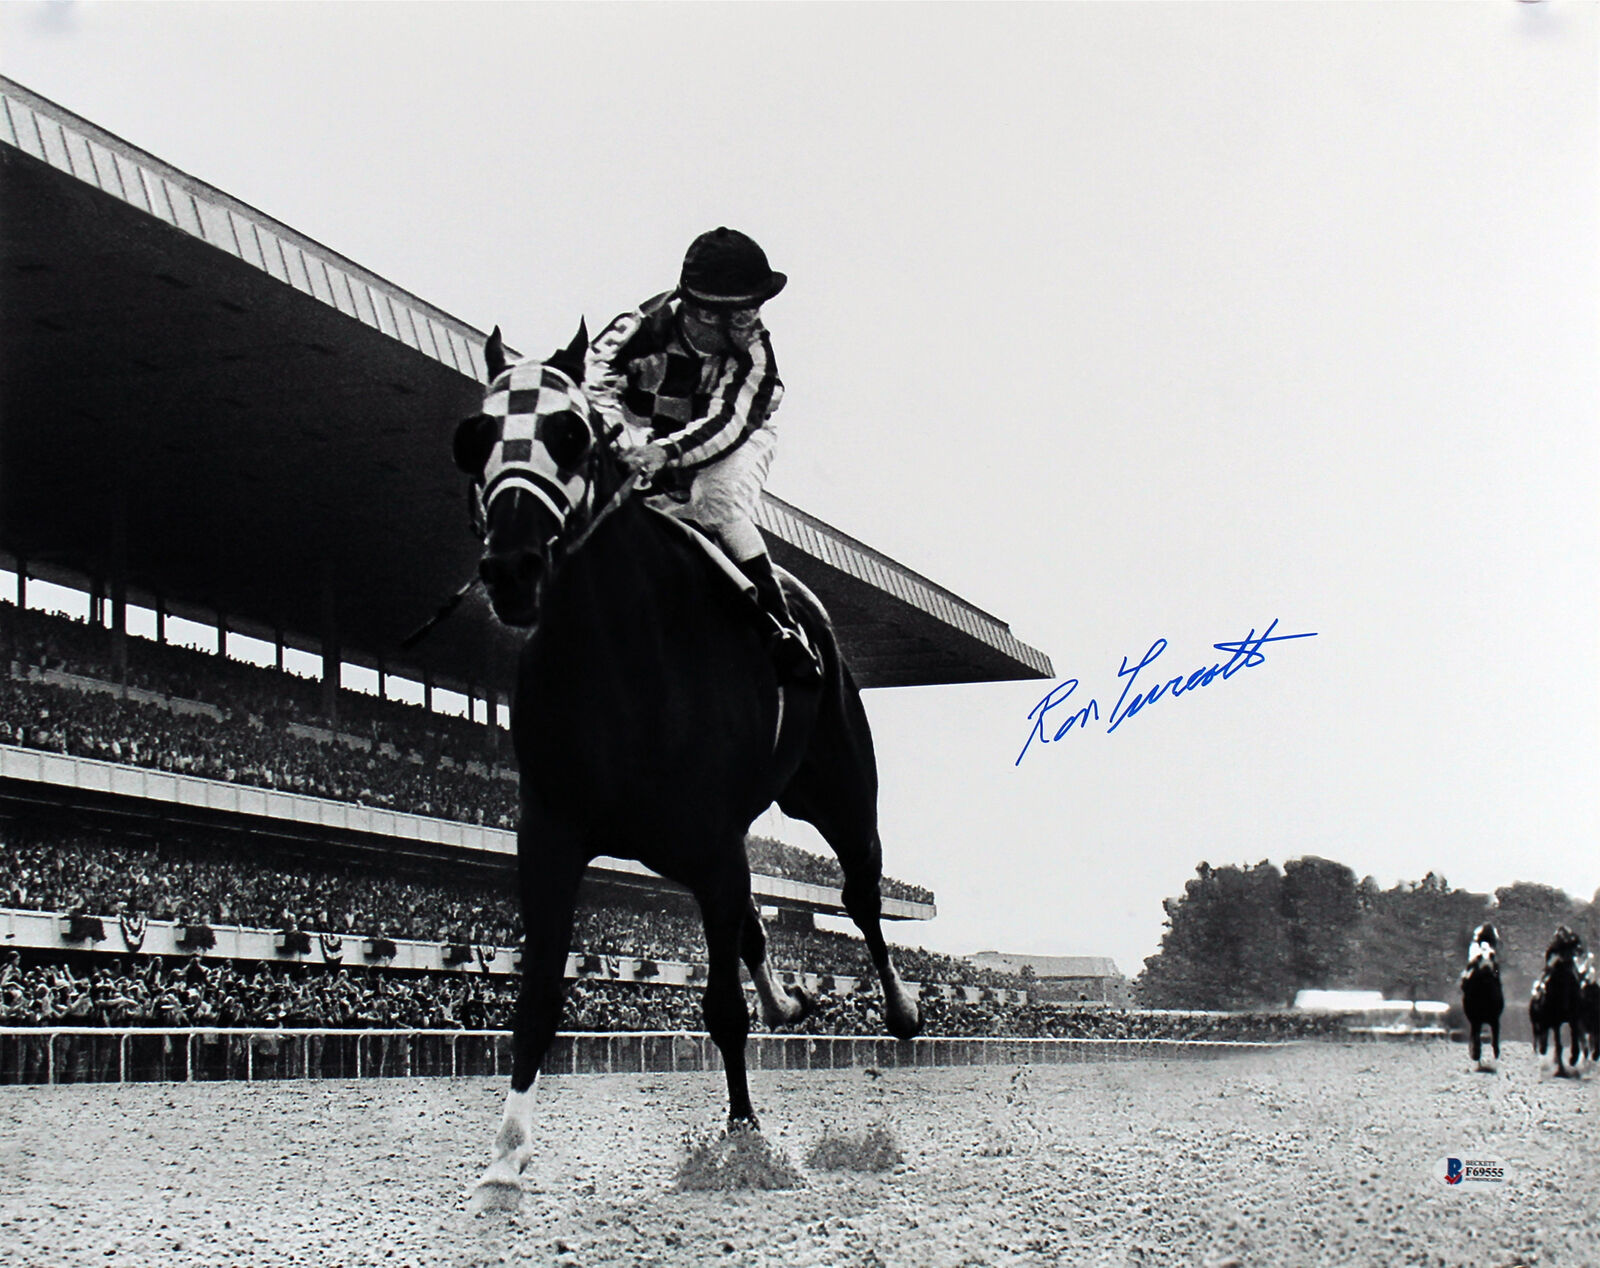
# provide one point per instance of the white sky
(1122, 321)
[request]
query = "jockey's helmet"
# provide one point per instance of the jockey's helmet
(726, 269)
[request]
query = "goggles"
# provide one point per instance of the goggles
(723, 318)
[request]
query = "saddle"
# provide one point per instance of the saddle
(707, 545)
(722, 563)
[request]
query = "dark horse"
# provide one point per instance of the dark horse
(1589, 999)
(1481, 997)
(1558, 998)
(648, 724)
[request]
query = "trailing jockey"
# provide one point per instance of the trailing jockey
(690, 376)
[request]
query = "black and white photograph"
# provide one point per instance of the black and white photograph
(864, 635)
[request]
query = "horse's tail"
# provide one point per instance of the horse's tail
(845, 760)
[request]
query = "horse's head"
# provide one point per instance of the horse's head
(532, 456)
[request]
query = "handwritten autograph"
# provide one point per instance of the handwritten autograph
(1244, 654)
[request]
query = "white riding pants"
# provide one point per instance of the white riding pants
(723, 497)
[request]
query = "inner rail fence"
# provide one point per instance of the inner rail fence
(39, 1055)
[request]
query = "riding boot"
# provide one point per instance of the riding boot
(786, 642)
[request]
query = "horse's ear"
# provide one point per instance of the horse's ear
(494, 354)
(571, 359)
(475, 437)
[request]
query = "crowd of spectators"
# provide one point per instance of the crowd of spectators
(142, 991)
(190, 880)
(49, 641)
(778, 858)
(147, 991)
(846, 953)
(100, 725)
(194, 879)
(388, 754)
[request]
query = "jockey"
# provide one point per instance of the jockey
(1484, 950)
(1564, 941)
(690, 376)
(1485, 946)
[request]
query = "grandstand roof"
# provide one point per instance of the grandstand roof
(245, 424)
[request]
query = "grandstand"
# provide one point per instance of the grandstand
(194, 397)
(1061, 979)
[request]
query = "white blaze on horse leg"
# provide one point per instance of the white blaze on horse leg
(500, 1187)
(515, 1136)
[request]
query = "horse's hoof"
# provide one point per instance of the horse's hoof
(801, 1004)
(497, 1194)
(904, 1024)
(806, 1004)
(750, 1124)
(498, 1189)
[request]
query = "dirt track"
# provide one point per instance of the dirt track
(1310, 1156)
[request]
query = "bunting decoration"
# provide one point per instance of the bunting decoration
(133, 926)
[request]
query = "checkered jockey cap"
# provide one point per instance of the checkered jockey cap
(546, 425)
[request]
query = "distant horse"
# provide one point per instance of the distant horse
(648, 724)
(1557, 998)
(1481, 997)
(1589, 1006)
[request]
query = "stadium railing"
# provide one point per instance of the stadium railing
(40, 1055)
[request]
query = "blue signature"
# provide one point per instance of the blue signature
(1244, 654)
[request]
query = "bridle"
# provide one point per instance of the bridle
(624, 491)
(574, 528)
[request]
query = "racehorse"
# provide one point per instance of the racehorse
(1589, 1006)
(648, 724)
(1557, 998)
(1481, 997)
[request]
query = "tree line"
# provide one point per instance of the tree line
(1251, 937)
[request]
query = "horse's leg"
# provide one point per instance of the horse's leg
(1475, 1044)
(1573, 1026)
(1494, 1035)
(779, 1005)
(852, 832)
(863, 871)
(549, 883)
(836, 791)
(724, 907)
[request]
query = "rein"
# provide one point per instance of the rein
(562, 550)
(445, 609)
(623, 493)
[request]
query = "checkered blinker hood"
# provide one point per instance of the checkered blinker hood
(546, 432)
